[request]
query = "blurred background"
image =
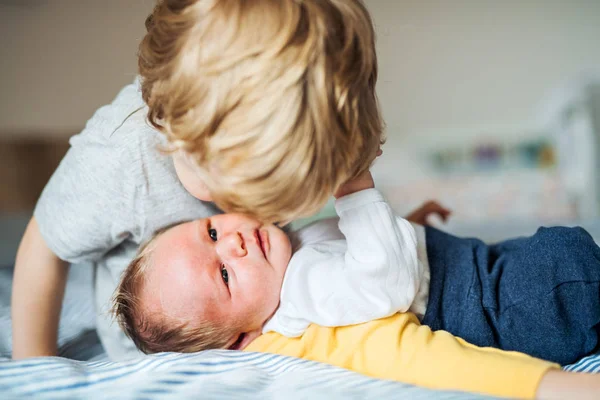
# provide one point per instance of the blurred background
(492, 107)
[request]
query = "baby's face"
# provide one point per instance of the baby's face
(225, 268)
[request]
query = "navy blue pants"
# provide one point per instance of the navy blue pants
(539, 295)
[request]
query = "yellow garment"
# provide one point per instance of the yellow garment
(401, 349)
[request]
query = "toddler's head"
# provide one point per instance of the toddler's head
(272, 101)
(209, 283)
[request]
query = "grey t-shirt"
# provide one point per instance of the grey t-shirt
(111, 192)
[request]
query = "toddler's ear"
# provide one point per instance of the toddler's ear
(245, 339)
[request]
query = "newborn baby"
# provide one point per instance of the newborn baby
(221, 282)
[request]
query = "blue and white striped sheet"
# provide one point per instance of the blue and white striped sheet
(210, 375)
(590, 364)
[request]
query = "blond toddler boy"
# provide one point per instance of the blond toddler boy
(245, 103)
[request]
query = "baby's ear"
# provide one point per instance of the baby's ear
(245, 339)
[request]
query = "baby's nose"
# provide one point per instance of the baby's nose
(232, 245)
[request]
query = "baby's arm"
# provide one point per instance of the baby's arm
(381, 254)
(421, 214)
(38, 289)
(373, 274)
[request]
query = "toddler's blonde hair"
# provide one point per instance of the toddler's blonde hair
(273, 100)
(158, 332)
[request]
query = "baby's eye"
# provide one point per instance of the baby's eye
(213, 234)
(225, 275)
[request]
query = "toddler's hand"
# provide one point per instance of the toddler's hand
(362, 182)
(420, 215)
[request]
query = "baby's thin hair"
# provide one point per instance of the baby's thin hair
(158, 332)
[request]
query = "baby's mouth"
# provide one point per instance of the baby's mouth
(262, 239)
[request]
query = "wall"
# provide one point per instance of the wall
(453, 70)
(62, 59)
(460, 65)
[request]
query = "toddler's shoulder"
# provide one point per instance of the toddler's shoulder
(119, 134)
(121, 123)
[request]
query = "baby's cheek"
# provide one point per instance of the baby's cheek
(262, 293)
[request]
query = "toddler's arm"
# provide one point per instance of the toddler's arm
(558, 385)
(400, 349)
(38, 289)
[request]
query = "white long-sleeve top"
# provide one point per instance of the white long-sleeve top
(368, 264)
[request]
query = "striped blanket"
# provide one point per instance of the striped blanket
(210, 374)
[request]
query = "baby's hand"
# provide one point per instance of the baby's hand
(420, 215)
(362, 182)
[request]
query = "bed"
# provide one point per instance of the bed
(84, 371)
